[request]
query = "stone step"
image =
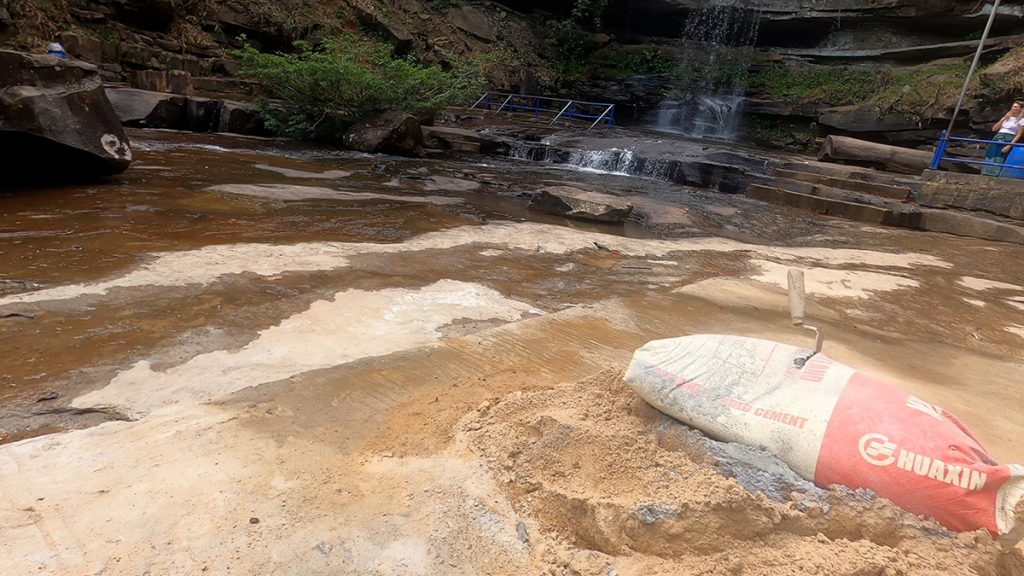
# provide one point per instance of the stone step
(829, 192)
(838, 207)
(999, 196)
(899, 193)
(956, 222)
(849, 172)
(963, 223)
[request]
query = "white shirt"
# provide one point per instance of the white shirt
(1010, 126)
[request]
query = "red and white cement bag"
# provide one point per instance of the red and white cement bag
(832, 425)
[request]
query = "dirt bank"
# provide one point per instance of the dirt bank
(611, 485)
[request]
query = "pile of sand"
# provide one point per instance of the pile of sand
(606, 485)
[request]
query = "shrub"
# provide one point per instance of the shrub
(617, 61)
(315, 94)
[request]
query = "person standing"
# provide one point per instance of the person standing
(1006, 129)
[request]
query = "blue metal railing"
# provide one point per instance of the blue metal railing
(944, 139)
(599, 112)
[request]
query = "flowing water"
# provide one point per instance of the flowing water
(190, 192)
(710, 103)
(250, 356)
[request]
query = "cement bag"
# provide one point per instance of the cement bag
(832, 425)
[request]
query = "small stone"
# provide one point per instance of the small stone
(51, 395)
(324, 548)
(968, 539)
(821, 538)
(521, 532)
(254, 520)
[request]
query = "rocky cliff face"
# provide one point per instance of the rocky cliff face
(184, 46)
(789, 70)
(888, 70)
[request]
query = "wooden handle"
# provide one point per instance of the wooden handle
(796, 295)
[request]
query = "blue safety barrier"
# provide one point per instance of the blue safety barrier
(940, 155)
(599, 112)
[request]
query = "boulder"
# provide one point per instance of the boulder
(473, 21)
(202, 114)
(145, 109)
(580, 204)
(81, 46)
(174, 81)
(56, 120)
(240, 118)
(399, 38)
(394, 132)
(461, 140)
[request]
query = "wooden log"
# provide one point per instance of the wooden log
(882, 156)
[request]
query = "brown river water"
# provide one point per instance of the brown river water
(234, 310)
(169, 202)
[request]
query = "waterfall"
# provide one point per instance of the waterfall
(710, 99)
(610, 161)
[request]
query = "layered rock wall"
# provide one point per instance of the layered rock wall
(885, 70)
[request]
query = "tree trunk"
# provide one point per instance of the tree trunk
(890, 158)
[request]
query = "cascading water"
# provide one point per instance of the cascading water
(609, 161)
(710, 103)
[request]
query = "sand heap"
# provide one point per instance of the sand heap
(609, 486)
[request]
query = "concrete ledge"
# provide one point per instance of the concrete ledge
(1000, 196)
(827, 206)
(962, 224)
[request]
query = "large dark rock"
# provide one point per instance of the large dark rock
(394, 132)
(240, 118)
(145, 109)
(56, 121)
(580, 204)
(867, 118)
(461, 140)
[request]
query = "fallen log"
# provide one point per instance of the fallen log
(844, 149)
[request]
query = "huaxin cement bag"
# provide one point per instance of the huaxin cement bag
(832, 425)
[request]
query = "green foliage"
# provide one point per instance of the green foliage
(588, 12)
(292, 17)
(568, 43)
(924, 91)
(833, 85)
(792, 135)
(619, 61)
(316, 94)
(651, 61)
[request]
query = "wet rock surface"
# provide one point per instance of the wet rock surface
(368, 354)
(56, 122)
(393, 132)
(580, 204)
